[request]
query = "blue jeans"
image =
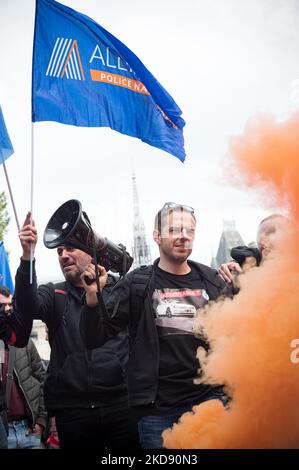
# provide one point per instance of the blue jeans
(19, 436)
(150, 428)
(3, 436)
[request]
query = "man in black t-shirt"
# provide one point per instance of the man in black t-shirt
(158, 304)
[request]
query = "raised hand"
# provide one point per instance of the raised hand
(28, 237)
(227, 270)
(88, 278)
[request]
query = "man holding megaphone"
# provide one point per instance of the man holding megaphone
(85, 389)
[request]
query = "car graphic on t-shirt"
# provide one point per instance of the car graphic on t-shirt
(172, 308)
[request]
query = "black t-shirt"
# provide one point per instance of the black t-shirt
(176, 299)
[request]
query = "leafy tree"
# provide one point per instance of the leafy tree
(4, 217)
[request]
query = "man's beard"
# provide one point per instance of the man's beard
(73, 277)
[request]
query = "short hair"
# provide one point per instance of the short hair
(5, 291)
(273, 216)
(164, 212)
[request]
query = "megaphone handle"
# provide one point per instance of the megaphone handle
(88, 281)
(95, 262)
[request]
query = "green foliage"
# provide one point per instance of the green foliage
(4, 217)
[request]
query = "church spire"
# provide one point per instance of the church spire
(141, 249)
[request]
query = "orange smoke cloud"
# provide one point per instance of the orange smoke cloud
(251, 335)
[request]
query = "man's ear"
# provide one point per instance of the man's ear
(157, 236)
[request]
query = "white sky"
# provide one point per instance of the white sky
(223, 61)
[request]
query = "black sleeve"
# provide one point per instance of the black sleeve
(39, 373)
(7, 327)
(98, 324)
(220, 282)
(30, 303)
(224, 289)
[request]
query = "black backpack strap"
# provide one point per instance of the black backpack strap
(111, 282)
(139, 287)
(140, 280)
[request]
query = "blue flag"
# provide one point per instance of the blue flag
(6, 149)
(5, 276)
(84, 76)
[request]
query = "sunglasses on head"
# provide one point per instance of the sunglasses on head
(174, 205)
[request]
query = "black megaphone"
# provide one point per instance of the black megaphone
(70, 226)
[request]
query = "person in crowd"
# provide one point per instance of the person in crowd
(244, 257)
(85, 389)
(7, 334)
(3, 432)
(158, 304)
(23, 378)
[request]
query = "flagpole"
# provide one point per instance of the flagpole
(11, 196)
(31, 197)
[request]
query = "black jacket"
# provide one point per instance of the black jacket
(77, 377)
(3, 332)
(31, 375)
(98, 326)
(2, 401)
(6, 331)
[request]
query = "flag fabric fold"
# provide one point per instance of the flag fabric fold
(82, 75)
(6, 148)
(5, 276)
